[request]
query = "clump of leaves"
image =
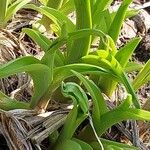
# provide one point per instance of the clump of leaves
(105, 68)
(100, 118)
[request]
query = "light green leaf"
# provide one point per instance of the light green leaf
(125, 52)
(56, 16)
(3, 11)
(40, 73)
(99, 104)
(49, 56)
(118, 20)
(7, 103)
(111, 145)
(46, 46)
(69, 145)
(68, 7)
(133, 66)
(85, 146)
(123, 112)
(39, 38)
(101, 5)
(107, 61)
(63, 72)
(143, 76)
(14, 8)
(80, 47)
(79, 112)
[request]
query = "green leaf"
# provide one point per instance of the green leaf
(85, 32)
(99, 104)
(40, 73)
(107, 61)
(108, 44)
(63, 72)
(69, 145)
(7, 103)
(46, 46)
(59, 59)
(101, 5)
(56, 16)
(133, 66)
(77, 94)
(56, 4)
(3, 11)
(85, 146)
(118, 20)
(14, 8)
(125, 52)
(81, 46)
(68, 7)
(49, 56)
(111, 145)
(79, 112)
(143, 76)
(123, 112)
(39, 38)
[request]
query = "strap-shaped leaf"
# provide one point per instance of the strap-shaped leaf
(85, 146)
(37, 37)
(125, 52)
(118, 20)
(56, 16)
(7, 103)
(101, 5)
(68, 7)
(59, 59)
(142, 77)
(106, 40)
(47, 59)
(61, 73)
(107, 61)
(77, 114)
(40, 73)
(64, 72)
(133, 66)
(3, 11)
(14, 8)
(80, 47)
(123, 112)
(46, 45)
(111, 145)
(69, 145)
(99, 104)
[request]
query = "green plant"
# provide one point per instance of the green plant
(94, 16)
(142, 77)
(45, 20)
(105, 66)
(100, 118)
(8, 9)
